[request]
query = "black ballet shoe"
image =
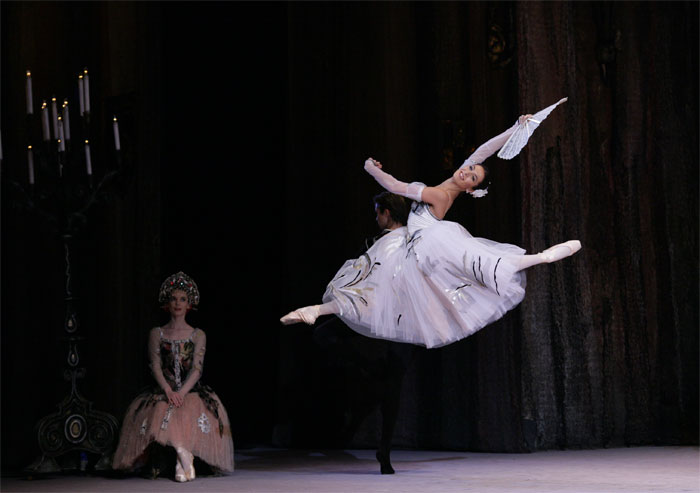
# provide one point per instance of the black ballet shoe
(384, 463)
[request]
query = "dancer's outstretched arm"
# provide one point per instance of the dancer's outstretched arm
(490, 147)
(409, 190)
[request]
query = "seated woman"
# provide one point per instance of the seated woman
(179, 412)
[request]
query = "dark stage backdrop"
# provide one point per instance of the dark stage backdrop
(245, 126)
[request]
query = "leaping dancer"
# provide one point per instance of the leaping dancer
(437, 284)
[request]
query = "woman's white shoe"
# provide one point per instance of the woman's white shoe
(184, 469)
(308, 315)
(560, 251)
(179, 475)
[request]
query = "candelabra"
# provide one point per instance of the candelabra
(61, 190)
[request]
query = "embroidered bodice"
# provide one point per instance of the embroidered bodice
(178, 363)
(175, 360)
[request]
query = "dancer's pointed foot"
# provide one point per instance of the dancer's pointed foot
(184, 469)
(384, 463)
(179, 473)
(560, 251)
(308, 315)
(189, 469)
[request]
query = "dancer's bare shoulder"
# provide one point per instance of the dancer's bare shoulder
(439, 199)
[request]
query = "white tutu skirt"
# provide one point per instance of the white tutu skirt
(431, 283)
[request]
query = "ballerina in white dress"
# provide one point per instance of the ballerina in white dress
(437, 283)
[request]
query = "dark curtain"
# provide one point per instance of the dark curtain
(610, 339)
(247, 125)
(603, 350)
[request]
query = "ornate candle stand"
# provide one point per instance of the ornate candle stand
(62, 195)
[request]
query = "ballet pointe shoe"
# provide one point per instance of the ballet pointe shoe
(308, 315)
(179, 473)
(560, 251)
(184, 468)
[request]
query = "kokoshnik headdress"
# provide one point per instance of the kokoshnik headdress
(179, 281)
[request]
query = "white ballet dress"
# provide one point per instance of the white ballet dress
(429, 283)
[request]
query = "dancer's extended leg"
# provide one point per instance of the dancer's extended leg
(551, 254)
(309, 314)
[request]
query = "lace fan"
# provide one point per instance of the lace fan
(519, 138)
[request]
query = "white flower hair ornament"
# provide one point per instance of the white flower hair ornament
(481, 192)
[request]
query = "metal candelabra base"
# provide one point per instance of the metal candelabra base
(75, 427)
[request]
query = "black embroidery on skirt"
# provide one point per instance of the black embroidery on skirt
(480, 272)
(494, 276)
(411, 243)
(149, 397)
(476, 277)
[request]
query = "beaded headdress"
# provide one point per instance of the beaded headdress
(179, 281)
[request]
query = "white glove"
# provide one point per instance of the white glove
(412, 191)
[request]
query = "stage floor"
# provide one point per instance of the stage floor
(637, 470)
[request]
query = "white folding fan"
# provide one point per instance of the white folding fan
(519, 138)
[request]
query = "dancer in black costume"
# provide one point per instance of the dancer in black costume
(372, 369)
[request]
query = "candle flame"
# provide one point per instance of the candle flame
(29, 73)
(86, 141)
(80, 76)
(85, 71)
(115, 118)
(29, 148)
(53, 99)
(43, 105)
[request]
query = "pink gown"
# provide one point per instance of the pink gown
(200, 425)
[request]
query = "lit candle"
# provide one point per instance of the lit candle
(88, 163)
(66, 119)
(86, 89)
(45, 121)
(61, 137)
(54, 117)
(30, 98)
(81, 94)
(30, 163)
(115, 127)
